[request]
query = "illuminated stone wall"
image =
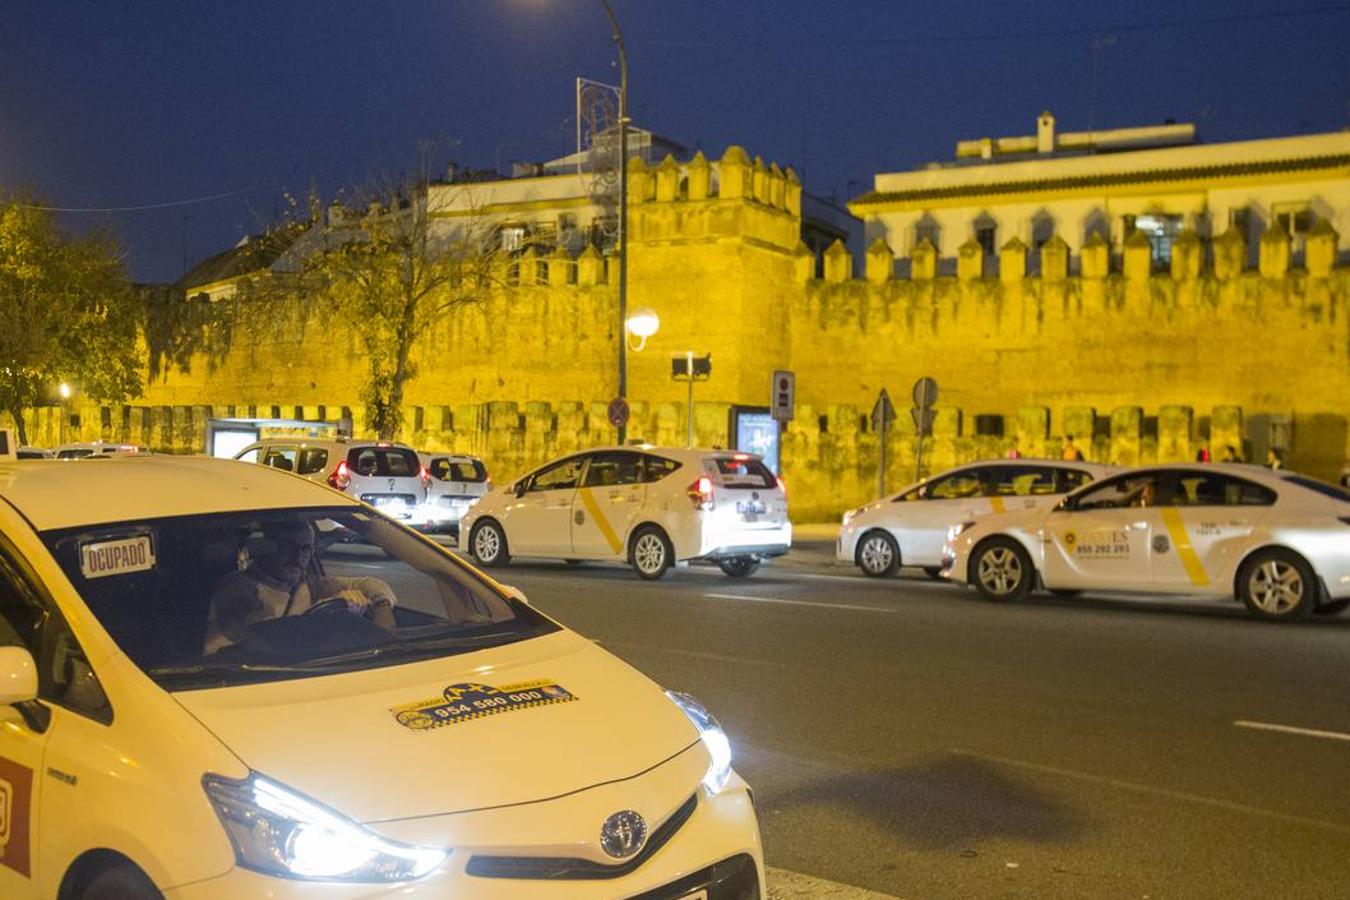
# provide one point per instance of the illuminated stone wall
(1139, 366)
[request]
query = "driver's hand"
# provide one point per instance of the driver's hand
(357, 602)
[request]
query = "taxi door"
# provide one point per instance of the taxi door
(607, 504)
(1101, 541)
(1205, 530)
(22, 747)
(539, 521)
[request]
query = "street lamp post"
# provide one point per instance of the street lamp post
(623, 211)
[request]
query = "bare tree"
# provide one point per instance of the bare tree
(392, 271)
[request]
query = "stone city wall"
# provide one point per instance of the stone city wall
(1140, 366)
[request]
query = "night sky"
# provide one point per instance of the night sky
(117, 104)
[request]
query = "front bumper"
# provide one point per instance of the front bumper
(717, 849)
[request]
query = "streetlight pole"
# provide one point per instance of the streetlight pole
(623, 211)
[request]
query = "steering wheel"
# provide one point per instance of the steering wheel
(335, 605)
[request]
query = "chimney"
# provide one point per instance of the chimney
(1045, 133)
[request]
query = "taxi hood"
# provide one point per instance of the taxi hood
(516, 724)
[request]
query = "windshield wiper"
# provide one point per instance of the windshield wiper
(415, 647)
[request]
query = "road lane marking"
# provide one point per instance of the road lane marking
(1290, 729)
(880, 609)
(1137, 788)
(786, 885)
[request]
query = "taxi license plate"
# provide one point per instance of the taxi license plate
(393, 505)
(751, 510)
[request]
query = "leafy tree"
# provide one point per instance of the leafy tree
(69, 314)
(393, 273)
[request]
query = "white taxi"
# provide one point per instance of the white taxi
(910, 528)
(455, 482)
(1275, 540)
(387, 475)
(648, 506)
(207, 693)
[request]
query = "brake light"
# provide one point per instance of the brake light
(782, 485)
(425, 476)
(341, 478)
(701, 493)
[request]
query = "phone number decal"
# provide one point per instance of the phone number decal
(465, 701)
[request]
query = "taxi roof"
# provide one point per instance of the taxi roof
(54, 493)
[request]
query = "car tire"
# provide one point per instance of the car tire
(487, 543)
(651, 553)
(121, 883)
(1331, 608)
(933, 572)
(878, 555)
(1277, 585)
(738, 566)
(1001, 570)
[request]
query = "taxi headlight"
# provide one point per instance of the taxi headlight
(278, 832)
(848, 516)
(714, 740)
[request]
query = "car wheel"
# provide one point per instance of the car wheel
(1001, 570)
(487, 543)
(933, 572)
(651, 553)
(1277, 585)
(121, 883)
(1331, 608)
(878, 555)
(739, 566)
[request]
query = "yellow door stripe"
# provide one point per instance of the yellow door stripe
(997, 504)
(1181, 542)
(605, 530)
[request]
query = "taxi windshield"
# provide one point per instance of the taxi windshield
(215, 600)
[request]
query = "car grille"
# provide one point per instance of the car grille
(730, 879)
(556, 867)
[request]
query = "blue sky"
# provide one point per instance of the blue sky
(119, 104)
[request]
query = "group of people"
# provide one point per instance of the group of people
(1070, 452)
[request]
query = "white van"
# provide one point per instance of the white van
(386, 475)
(648, 506)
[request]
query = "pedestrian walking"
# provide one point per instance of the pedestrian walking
(1071, 453)
(1273, 460)
(1230, 454)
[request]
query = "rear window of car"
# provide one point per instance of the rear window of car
(386, 462)
(734, 472)
(443, 469)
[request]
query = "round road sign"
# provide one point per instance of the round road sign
(618, 412)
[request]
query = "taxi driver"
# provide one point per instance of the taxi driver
(283, 583)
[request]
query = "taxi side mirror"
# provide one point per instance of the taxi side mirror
(18, 676)
(519, 488)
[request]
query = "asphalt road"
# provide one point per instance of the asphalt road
(908, 738)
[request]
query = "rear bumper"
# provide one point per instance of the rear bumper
(723, 542)
(764, 551)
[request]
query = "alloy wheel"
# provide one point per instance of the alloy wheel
(999, 570)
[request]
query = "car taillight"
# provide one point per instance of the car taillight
(341, 478)
(426, 478)
(701, 493)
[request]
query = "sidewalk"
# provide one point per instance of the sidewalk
(815, 532)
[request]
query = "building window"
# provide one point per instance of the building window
(987, 237)
(1241, 219)
(1161, 231)
(927, 230)
(512, 238)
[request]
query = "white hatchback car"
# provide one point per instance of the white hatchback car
(1276, 540)
(207, 694)
(456, 482)
(910, 528)
(386, 475)
(648, 506)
